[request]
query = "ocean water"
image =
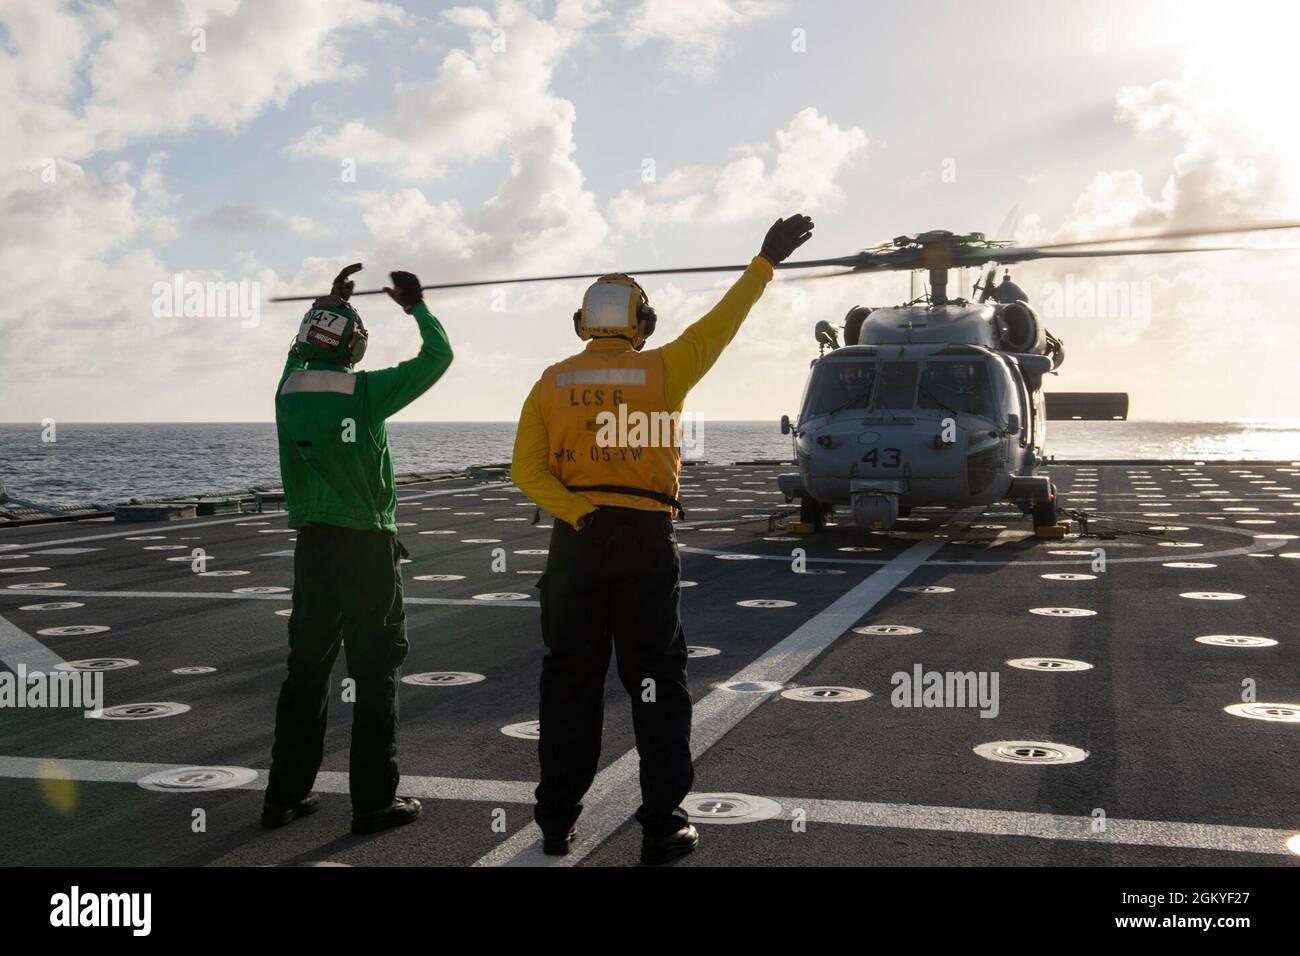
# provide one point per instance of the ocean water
(111, 462)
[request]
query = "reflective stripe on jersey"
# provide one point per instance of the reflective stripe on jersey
(315, 380)
(601, 376)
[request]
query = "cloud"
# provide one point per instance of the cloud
(694, 31)
(1225, 168)
(80, 81)
(481, 101)
(241, 218)
(810, 154)
(495, 98)
(77, 306)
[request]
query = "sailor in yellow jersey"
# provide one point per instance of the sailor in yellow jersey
(598, 447)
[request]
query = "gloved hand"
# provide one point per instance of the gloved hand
(343, 286)
(406, 290)
(785, 236)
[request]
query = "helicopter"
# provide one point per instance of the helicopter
(938, 401)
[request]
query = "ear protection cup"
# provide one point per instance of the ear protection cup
(358, 341)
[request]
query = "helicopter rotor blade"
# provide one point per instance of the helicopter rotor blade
(842, 274)
(689, 270)
(905, 257)
(1009, 256)
(1266, 226)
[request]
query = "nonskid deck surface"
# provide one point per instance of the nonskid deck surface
(1116, 745)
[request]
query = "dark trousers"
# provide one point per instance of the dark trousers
(347, 592)
(616, 583)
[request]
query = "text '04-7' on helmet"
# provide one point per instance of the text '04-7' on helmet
(331, 331)
(614, 305)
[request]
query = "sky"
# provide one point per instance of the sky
(256, 147)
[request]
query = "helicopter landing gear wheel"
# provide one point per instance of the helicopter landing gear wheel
(812, 512)
(1047, 511)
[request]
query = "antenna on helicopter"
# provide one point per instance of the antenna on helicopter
(1006, 233)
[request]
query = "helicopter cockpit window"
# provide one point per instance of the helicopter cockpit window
(955, 386)
(897, 385)
(841, 386)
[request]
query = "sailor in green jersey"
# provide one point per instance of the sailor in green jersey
(347, 580)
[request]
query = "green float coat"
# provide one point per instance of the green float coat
(330, 421)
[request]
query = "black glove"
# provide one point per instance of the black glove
(785, 236)
(343, 286)
(406, 290)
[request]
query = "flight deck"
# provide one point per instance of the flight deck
(955, 691)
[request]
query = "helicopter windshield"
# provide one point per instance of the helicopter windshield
(897, 385)
(841, 385)
(955, 386)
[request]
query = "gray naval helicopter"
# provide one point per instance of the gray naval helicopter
(938, 401)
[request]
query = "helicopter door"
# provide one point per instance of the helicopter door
(1026, 410)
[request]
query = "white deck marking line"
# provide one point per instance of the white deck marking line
(149, 527)
(461, 488)
(1043, 826)
(19, 647)
(905, 816)
(615, 794)
(1018, 562)
(327, 781)
(227, 596)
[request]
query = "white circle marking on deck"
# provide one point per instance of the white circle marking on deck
(443, 678)
(729, 808)
(146, 711)
(1030, 752)
(825, 694)
(1236, 640)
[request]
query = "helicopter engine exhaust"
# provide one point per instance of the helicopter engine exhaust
(1021, 330)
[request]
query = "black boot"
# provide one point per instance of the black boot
(401, 811)
(275, 815)
(557, 844)
(656, 850)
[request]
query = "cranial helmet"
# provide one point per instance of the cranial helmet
(331, 331)
(614, 305)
